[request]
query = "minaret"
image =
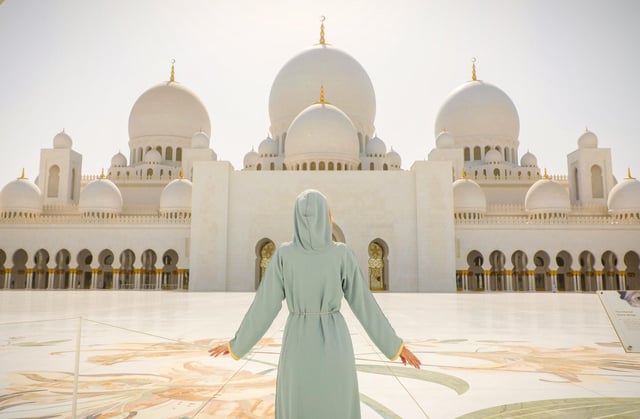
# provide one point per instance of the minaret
(60, 172)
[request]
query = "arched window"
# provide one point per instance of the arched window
(179, 154)
(312, 166)
(54, 182)
(304, 166)
(330, 165)
(159, 150)
(321, 166)
(168, 154)
(272, 166)
(467, 154)
(259, 166)
(385, 167)
(371, 166)
(339, 166)
(72, 187)
(506, 154)
(486, 149)
(139, 154)
(576, 181)
(477, 153)
(597, 187)
(149, 172)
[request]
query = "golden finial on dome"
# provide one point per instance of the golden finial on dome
(473, 69)
(173, 70)
(546, 176)
(22, 176)
(629, 173)
(464, 174)
(322, 101)
(102, 174)
(322, 19)
(181, 173)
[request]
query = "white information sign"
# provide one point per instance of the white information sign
(623, 309)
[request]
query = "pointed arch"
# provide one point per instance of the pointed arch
(265, 248)
(53, 182)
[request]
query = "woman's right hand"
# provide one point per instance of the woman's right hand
(408, 357)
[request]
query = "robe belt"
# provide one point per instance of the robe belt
(321, 313)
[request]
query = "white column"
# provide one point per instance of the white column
(622, 280)
(531, 275)
(158, 279)
(29, 284)
(137, 278)
(7, 278)
(116, 279)
(509, 281)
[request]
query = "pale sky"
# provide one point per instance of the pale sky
(80, 65)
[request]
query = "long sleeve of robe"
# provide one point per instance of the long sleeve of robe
(316, 372)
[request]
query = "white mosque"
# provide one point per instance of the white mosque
(476, 216)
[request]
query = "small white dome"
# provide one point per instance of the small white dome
(376, 148)
(468, 197)
(268, 148)
(445, 140)
(101, 196)
(624, 198)
(322, 132)
(118, 160)
(547, 195)
(493, 156)
(152, 157)
(176, 196)
(21, 196)
(251, 159)
(528, 160)
(200, 140)
(62, 140)
(394, 159)
(588, 140)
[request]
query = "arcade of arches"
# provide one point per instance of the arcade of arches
(583, 272)
(89, 270)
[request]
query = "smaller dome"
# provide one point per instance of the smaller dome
(547, 195)
(588, 140)
(468, 197)
(200, 140)
(62, 140)
(118, 160)
(176, 196)
(268, 148)
(624, 198)
(394, 159)
(493, 157)
(152, 157)
(21, 196)
(528, 160)
(101, 196)
(445, 140)
(376, 148)
(251, 159)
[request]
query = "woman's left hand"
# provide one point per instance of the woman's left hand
(222, 349)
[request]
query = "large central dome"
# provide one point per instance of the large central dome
(343, 78)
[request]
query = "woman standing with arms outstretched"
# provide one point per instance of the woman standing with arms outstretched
(316, 371)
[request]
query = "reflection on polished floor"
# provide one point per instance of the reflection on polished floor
(143, 354)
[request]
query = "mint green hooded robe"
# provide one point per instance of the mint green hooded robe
(316, 372)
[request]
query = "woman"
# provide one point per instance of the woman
(316, 371)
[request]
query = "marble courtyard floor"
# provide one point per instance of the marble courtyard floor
(143, 354)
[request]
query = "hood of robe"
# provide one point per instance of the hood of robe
(311, 225)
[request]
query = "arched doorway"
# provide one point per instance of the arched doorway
(84, 272)
(105, 272)
(497, 275)
(541, 277)
(149, 259)
(170, 270)
(520, 272)
(3, 277)
(127, 276)
(564, 279)
(610, 271)
(378, 265)
(632, 273)
(41, 272)
(19, 270)
(587, 274)
(61, 276)
(264, 251)
(476, 271)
